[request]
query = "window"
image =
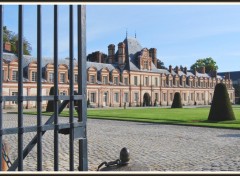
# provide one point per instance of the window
(75, 78)
(156, 96)
(135, 81)
(51, 77)
(14, 94)
(185, 96)
(93, 97)
(135, 97)
(156, 82)
(115, 80)
(34, 76)
(116, 98)
(125, 98)
(126, 81)
(105, 79)
(62, 77)
(92, 79)
(146, 81)
(170, 83)
(145, 65)
(14, 75)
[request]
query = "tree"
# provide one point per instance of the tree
(160, 64)
(208, 63)
(177, 103)
(50, 105)
(9, 36)
(221, 108)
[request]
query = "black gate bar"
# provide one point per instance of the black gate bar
(56, 98)
(1, 80)
(71, 105)
(20, 87)
(39, 88)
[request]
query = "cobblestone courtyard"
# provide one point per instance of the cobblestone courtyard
(159, 147)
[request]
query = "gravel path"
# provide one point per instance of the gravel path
(159, 147)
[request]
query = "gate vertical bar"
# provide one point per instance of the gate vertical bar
(56, 98)
(82, 116)
(20, 88)
(39, 89)
(71, 74)
(1, 80)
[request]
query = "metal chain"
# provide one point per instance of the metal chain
(5, 156)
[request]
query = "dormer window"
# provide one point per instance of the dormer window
(34, 76)
(92, 79)
(145, 65)
(115, 80)
(14, 75)
(126, 81)
(62, 78)
(105, 79)
(51, 77)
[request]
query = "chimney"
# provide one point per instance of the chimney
(153, 55)
(111, 52)
(195, 71)
(214, 73)
(170, 68)
(203, 69)
(99, 56)
(185, 70)
(227, 76)
(176, 69)
(7, 46)
(121, 53)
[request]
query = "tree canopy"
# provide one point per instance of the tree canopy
(9, 36)
(209, 63)
(160, 64)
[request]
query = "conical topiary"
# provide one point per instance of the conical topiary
(50, 105)
(221, 108)
(177, 103)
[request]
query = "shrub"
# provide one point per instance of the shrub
(50, 104)
(221, 108)
(177, 101)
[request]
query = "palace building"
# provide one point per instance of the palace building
(127, 75)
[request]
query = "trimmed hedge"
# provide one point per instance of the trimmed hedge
(221, 108)
(50, 105)
(177, 103)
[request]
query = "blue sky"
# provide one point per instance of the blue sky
(181, 33)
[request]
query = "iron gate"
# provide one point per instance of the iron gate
(76, 130)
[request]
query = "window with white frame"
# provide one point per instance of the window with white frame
(105, 79)
(92, 78)
(136, 97)
(62, 78)
(14, 75)
(92, 97)
(75, 78)
(126, 81)
(116, 97)
(156, 96)
(14, 94)
(115, 80)
(135, 80)
(125, 97)
(146, 81)
(51, 77)
(34, 76)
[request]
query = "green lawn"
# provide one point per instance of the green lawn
(184, 116)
